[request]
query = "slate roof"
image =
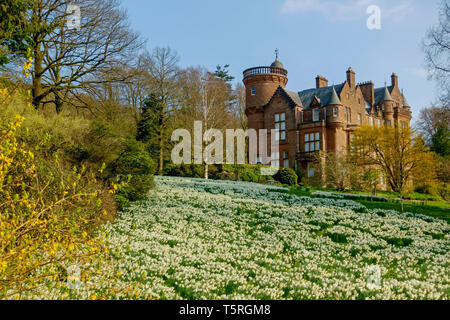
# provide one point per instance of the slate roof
(295, 97)
(405, 102)
(368, 107)
(383, 94)
(334, 98)
(330, 96)
(325, 95)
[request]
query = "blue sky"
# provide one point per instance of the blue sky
(314, 37)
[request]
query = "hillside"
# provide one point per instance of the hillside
(199, 239)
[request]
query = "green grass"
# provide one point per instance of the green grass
(436, 209)
(387, 194)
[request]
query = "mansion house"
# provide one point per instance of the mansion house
(321, 118)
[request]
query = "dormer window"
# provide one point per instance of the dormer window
(253, 91)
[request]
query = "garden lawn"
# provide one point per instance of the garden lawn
(436, 209)
(198, 239)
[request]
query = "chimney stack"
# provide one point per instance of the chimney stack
(394, 80)
(368, 91)
(321, 82)
(351, 78)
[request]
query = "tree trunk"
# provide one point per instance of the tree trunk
(58, 102)
(37, 77)
(206, 172)
(161, 155)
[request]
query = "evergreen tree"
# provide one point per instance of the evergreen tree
(150, 123)
(441, 141)
(223, 73)
(14, 29)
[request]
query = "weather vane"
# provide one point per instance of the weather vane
(276, 53)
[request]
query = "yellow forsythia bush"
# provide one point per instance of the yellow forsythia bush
(46, 218)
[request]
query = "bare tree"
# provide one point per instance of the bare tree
(239, 106)
(337, 168)
(67, 59)
(205, 97)
(437, 52)
(430, 119)
(162, 76)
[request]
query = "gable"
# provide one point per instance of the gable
(323, 95)
(291, 97)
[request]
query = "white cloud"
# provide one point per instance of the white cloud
(347, 9)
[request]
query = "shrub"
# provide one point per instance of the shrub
(248, 173)
(225, 175)
(47, 213)
(444, 191)
(185, 170)
(133, 170)
(172, 170)
(198, 171)
(99, 145)
(426, 189)
(249, 176)
(286, 176)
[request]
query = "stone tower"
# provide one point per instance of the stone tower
(260, 85)
(387, 105)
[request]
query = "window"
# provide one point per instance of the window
(335, 112)
(253, 91)
(280, 125)
(275, 159)
(359, 119)
(388, 123)
(348, 115)
(312, 142)
(286, 160)
(316, 114)
(371, 121)
(379, 123)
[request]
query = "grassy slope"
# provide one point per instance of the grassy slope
(437, 209)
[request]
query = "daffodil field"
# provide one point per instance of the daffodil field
(198, 239)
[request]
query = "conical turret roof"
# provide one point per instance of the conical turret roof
(334, 100)
(386, 95)
(405, 102)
